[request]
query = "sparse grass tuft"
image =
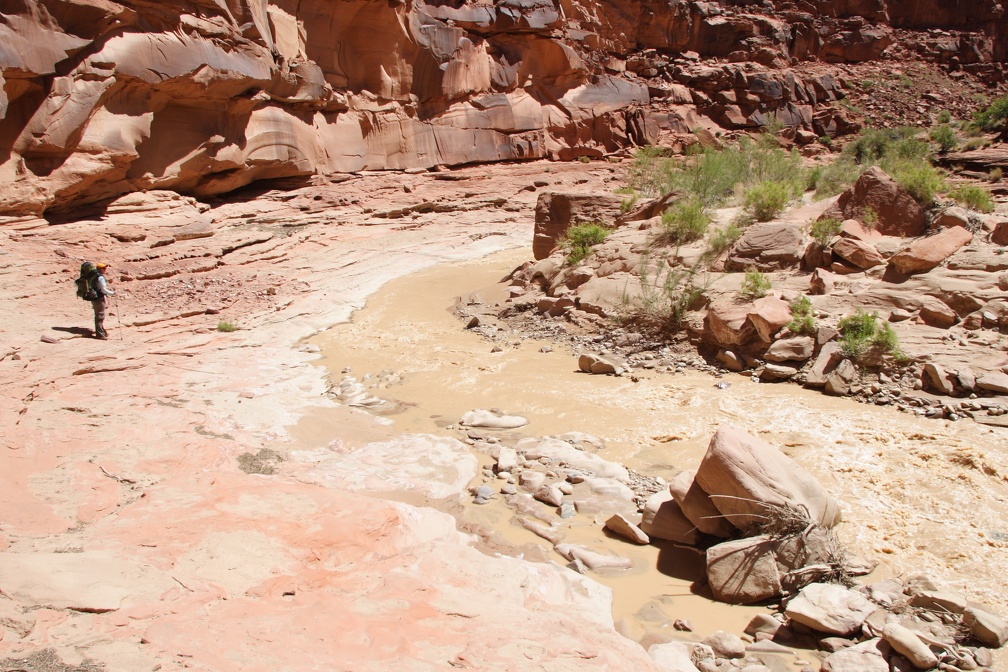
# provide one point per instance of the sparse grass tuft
(802, 320)
(996, 174)
(944, 117)
(264, 462)
(580, 238)
(755, 285)
(226, 327)
(974, 197)
(721, 239)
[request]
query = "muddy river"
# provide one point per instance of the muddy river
(920, 496)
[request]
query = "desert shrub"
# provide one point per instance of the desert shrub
(579, 239)
(802, 320)
(944, 117)
(766, 199)
(974, 197)
(667, 294)
(630, 200)
(684, 222)
(862, 333)
(755, 285)
(584, 159)
(826, 141)
(650, 171)
(974, 143)
(996, 174)
(918, 177)
(995, 117)
(823, 230)
(945, 137)
(226, 326)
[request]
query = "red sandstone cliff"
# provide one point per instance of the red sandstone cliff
(101, 98)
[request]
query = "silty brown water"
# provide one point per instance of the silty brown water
(919, 495)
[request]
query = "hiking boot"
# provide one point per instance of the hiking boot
(102, 337)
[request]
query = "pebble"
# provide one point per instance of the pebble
(567, 510)
(566, 488)
(509, 489)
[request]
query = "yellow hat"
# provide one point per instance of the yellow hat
(101, 265)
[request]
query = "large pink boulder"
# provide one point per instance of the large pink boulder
(745, 477)
(925, 253)
(896, 213)
(727, 323)
(768, 316)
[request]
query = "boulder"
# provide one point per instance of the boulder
(838, 383)
(896, 211)
(798, 349)
(663, 519)
(726, 644)
(744, 476)
(621, 526)
(492, 420)
(939, 379)
(868, 656)
(827, 360)
(767, 247)
(906, 643)
(925, 253)
(994, 381)
(773, 373)
(743, 571)
(830, 608)
(857, 252)
(731, 361)
(557, 212)
(727, 324)
(999, 236)
(698, 507)
(985, 627)
(591, 363)
(951, 216)
(768, 316)
(593, 559)
(936, 313)
(821, 282)
(672, 657)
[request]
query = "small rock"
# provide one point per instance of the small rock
(549, 494)
(619, 525)
(726, 645)
(907, 643)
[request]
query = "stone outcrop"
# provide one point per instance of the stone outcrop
(894, 209)
(98, 99)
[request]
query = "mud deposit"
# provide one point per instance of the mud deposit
(920, 496)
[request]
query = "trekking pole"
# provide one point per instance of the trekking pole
(118, 318)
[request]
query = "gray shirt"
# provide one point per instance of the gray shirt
(103, 289)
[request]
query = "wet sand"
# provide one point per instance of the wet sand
(905, 481)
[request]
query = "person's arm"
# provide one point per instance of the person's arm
(104, 288)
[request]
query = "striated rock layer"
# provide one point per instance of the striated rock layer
(99, 98)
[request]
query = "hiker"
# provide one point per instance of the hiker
(102, 290)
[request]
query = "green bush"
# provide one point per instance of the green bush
(862, 334)
(995, 117)
(756, 285)
(766, 199)
(918, 177)
(996, 174)
(579, 239)
(684, 222)
(226, 326)
(667, 295)
(802, 320)
(945, 137)
(944, 117)
(974, 197)
(823, 230)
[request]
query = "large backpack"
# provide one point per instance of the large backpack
(87, 285)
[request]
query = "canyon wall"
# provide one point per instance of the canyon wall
(100, 98)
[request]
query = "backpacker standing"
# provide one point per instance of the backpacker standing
(101, 288)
